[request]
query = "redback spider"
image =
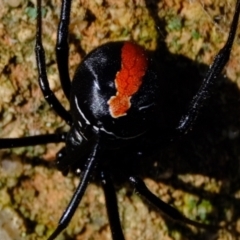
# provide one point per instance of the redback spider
(114, 99)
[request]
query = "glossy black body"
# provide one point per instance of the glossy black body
(92, 87)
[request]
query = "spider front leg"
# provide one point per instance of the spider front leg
(163, 207)
(112, 207)
(43, 80)
(62, 48)
(44, 85)
(32, 140)
(86, 176)
(187, 121)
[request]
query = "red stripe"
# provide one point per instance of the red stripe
(128, 79)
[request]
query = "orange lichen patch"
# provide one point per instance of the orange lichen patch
(128, 79)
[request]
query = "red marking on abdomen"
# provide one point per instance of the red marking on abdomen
(128, 79)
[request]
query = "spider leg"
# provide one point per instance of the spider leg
(62, 47)
(42, 78)
(77, 196)
(215, 69)
(112, 207)
(163, 207)
(32, 140)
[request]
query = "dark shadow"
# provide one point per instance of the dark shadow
(212, 148)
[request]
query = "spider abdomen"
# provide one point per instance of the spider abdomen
(115, 90)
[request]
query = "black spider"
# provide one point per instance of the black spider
(114, 109)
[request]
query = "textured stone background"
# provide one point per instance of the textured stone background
(198, 175)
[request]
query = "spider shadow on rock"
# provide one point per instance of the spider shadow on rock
(211, 149)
